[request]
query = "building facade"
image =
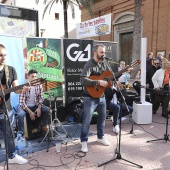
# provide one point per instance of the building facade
(53, 23)
(155, 24)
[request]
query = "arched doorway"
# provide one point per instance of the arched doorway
(123, 34)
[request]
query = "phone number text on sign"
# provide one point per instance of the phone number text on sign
(74, 86)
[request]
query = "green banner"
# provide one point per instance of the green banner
(44, 55)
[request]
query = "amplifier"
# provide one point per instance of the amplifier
(142, 113)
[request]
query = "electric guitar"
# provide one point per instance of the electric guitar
(97, 91)
(7, 91)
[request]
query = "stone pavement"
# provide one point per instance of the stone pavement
(133, 147)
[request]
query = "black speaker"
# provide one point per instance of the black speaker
(74, 109)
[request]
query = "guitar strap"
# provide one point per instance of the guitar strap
(7, 75)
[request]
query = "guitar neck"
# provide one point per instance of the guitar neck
(31, 83)
(120, 72)
(6, 91)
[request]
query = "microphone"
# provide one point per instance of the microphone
(107, 58)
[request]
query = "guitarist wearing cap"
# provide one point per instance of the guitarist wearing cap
(94, 67)
(8, 78)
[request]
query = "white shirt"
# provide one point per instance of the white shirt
(31, 101)
(114, 99)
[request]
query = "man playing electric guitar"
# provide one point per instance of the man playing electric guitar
(94, 67)
(8, 78)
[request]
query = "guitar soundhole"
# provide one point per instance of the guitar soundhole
(96, 88)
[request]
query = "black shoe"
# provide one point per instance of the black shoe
(154, 112)
(165, 116)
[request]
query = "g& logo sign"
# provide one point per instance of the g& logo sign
(78, 55)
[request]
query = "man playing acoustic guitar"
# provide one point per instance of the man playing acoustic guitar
(8, 78)
(94, 67)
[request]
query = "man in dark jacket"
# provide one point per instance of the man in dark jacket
(94, 67)
(149, 74)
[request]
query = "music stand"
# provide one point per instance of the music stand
(117, 153)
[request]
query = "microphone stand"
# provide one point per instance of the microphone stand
(131, 131)
(117, 152)
(166, 135)
(6, 118)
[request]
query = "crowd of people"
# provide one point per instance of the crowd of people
(157, 82)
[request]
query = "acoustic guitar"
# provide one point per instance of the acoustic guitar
(7, 91)
(97, 91)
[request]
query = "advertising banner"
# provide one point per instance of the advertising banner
(94, 27)
(76, 54)
(44, 55)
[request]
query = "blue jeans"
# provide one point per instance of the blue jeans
(11, 144)
(124, 109)
(90, 105)
(115, 108)
(22, 113)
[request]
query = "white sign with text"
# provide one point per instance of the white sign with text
(94, 27)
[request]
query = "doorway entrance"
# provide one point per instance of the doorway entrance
(126, 42)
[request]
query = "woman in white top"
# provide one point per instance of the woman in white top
(161, 82)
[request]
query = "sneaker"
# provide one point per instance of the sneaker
(165, 116)
(154, 112)
(84, 147)
(116, 129)
(17, 160)
(103, 141)
(111, 118)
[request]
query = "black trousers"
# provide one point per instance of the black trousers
(164, 100)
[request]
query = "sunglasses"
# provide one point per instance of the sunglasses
(156, 63)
